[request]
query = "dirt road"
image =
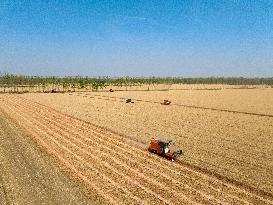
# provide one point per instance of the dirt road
(118, 171)
(29, 176)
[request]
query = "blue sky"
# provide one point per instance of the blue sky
(137, 38)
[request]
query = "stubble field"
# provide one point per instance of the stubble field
(226, 136)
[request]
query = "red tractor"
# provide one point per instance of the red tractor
(161, 147)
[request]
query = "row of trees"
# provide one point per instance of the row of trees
(95, 83)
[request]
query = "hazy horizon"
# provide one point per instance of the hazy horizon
(143, 38)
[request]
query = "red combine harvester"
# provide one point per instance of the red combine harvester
(129, 100)
(161, 147)
(166, 102)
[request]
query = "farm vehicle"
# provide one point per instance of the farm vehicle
(166, 102)
(161, 147)
(129, 100)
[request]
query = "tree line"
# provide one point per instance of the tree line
(95, 83)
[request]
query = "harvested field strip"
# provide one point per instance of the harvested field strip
(47, 117)
(105, 97)
(48, 147)
(14, 199)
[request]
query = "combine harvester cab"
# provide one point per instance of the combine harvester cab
(161, 147)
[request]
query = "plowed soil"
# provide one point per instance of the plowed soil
(118, 168)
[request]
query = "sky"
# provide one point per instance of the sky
(186, 38)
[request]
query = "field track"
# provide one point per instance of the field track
(116, 169)
(105, 97)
